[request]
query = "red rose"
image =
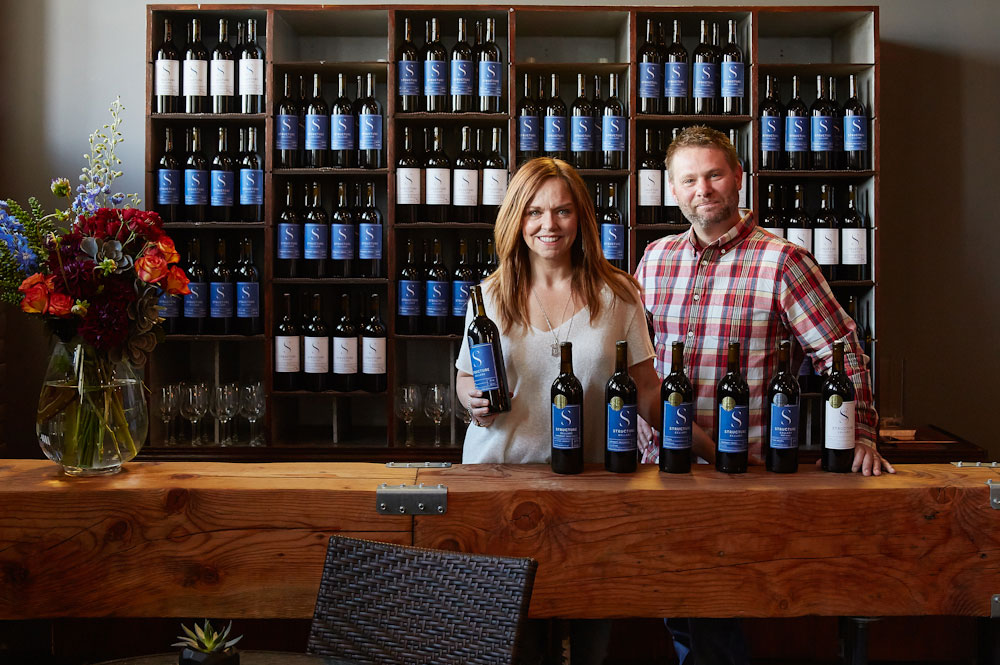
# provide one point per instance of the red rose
(36, 298)
(176, 282)
(151, 266)
(60, 304)
(166, 247)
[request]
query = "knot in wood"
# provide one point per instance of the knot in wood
(15, 575)
(118, 531)
(200, 575)
(526, 516)
(177, 499)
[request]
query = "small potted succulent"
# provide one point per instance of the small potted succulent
(206, 646)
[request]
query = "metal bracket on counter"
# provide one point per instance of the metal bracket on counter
(411, 499)
(418, 465)
(995, 607)
(988, 465)
(994, 494)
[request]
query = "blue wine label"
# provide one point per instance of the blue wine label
(289, 241)
(613, 241)
(461, 77)
(370, 131)
(733, 428)
(622, 435)
(317, 131)
(567, 434)
(772, 133)
(484, 366)
(251, 187)
(675, 79)
(613, 133)
(650, 80)
(317, 242)
(220, 304)
(287, 129)
(784, 423)
(706, 79)
(341, 242)
(370, 241)
(410, 298)
(196, 302)
(195, 187)
(409, 77)
(732, 79)
(221, 188)
(247, 300)
(555, 133)
(797, 134)
(527, 133)
(436, 298)
(490, 79)
(170, 306)
(581, 133)
(168, 187)
(460, 297)
(677, 419)
(435, 77)
(342, 132)
(855, 132)
(822, 133)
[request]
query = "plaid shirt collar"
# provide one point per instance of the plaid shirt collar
(734, 236)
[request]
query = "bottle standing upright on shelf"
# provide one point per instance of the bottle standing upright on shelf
(650, 184)
(853, 241)
(373, 377)
(435, 72)
(826, 235)
(409, 181)
(705, 74)
(316, 246)
(409, 71)
(799, 223)
(437, 178)
(855, 129)
(774, 218)
(345, 349)
(731, 73)
(837, 160)
(734, 138)
(581, 131)
(781, 427)
(465, 182)
(489, 373)
(732, 397)
(597, 104)
(838, 416)
(168, 180)
(221, 290)
(463, 71)
(369, 235)
(650, 72)
(671, 211)
(772, 127)
(167, 72)
(343, 146)
(677, 398)
(554, 134)
(316, 350)
(222, 72)
(621, 450)
(343, 229)
(286, 128)
(195, 72)
(491, 262)
(251, 74)
(410, 296)
(797, 129)
(248, 319)
(251, 181)
(567, 416)
(822, 119)
(613, 233)
(463, 279)
(317, 127)
(287, 349)
(195, 302)
(675, 75)
(494, 178)
(437, 294)
(196, 182)
(613, 127)
(528, 129)
(289, 262)
(369, 127)
(489, 62)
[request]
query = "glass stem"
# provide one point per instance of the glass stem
(409, 433)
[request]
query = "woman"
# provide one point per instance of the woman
(553, 285)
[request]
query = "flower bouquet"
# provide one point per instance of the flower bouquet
(94, 272)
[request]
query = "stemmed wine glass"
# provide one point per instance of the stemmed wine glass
(226, 404)
(436, 406)
(169, 402)
(252, 408)
(194, 405)
(407, 406)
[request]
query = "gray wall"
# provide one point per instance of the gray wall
(63, 61)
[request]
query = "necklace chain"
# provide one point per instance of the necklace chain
(555, 347)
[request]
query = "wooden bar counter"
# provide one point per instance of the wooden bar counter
(247, 540)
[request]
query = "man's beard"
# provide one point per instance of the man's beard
(723, 213)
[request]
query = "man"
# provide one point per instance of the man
(727, 280)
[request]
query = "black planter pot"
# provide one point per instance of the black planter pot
(192, 657)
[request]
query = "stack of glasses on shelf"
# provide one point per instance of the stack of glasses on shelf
(437, 401)
(193, 401)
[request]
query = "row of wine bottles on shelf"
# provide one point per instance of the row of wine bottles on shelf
(227, 80)
(712, 81)
(346, 242)
(229, 188)
(223, 300)
(822, 136)
(838, 240)
(434, 188)
(310, 133)
(591, 133)
(469, 78)
(310, 354)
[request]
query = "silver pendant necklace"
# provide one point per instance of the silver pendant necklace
(555, 345)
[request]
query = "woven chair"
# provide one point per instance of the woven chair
(383, 604)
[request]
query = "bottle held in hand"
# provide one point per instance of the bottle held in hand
(488, 370)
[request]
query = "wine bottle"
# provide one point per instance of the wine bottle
(369, 127)
(613, 230)
(671, 211)
(343, 146)
(463, 279)
(554, 135)
(286, 126)
(435, 72)
(853, 241)
(370, 235)
(251, 181)
(345, 349)
(732, 75)
(773, 219)
(826, 235)
(195, 72)
(837, 154)
(195, 302)
(772, 127)
(581, 131)
(494, 178)
(303, 104)
(734, 138)
(343, 228)
(409, 177)
(373, 377)
(797, 127)
(167, 72)
(781, 429)
(437, 305)
(800, 224)
(650, 73)
(287, 349)
(316, 247)
(489, 372)
(463, 70)
(410, 300)
(597, 104)
(821, 124)
(614, 124)
(221, 293)
(855, 129)
(650, 185)
(317, 127)
(675, 75)
(677, 398)
(621, 450)
(465, 182)
(567, 416)
(222, 72)
(528, 130)
(408, 71)
(437, 174)
(838, 416)
(248, 319)
(705, 75)
(316, 350)
(196, 180)
(732, 398)
(289, 237)
(489, 61)
(251, 74)
(491, 262)
(168, 180)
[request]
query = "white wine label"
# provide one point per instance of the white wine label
(494, 186)
(778, 231)
(408, 186)
(222, 79)
(801, 237)
(168, 77)
(287, 356)
(838, 430)
(744, 190)
(466, 187)
(195, 78)
(252, 76)
(345, 355)
(317, 355)
(827, 246)
(854, 247)
(668, 194)
(650, 187)
(438, 188)
(373, 355)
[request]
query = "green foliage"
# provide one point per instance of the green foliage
(205, 638)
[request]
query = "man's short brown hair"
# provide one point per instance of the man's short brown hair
(699, 136)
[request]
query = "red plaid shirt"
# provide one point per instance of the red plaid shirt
(752, 287)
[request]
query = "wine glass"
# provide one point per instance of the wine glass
(437, 404)
(252, 408)
(169, 402)
(225, 405)
(194, 406)
(407, 405)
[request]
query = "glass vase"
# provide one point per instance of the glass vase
(92, 414)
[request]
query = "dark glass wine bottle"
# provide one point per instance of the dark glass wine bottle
(705, 74)
(822, 119)
(221, 307)
(734, 139)
(222, 72)
(251, 74)
(826, 235)
(855, 129)
(345, 349)
(567, 416)
(316, 350)
(853, 241)
(343, 229)
(671, 211)
(196, 180)
(410, 296)
(800, 224)
(581, 133)
(613, 128)
(731, 73)
(343, 143)
(650, 182)
(781, 425)
(491, 262)
(437, 294)
(287, 349)
(409, 180)
(465, 182)
(677, 399)
(370, 235)
(195, 302)
(286, 128)
(247, 276)
(489, 372)
(797, 129)
(251, 181)
(462, 281)
(650, 72)
(613, 233)
(528, 129)
(435, 72)
(597, 104)
(772, 127)
(289, 262)
(732, 398)
(489, 61)
(168, 180)
(316, 246)
(167, 72)
(373, 377)
(463, 71)
(437, 176)
(838, 416)
(675, 75)
(369, 127)
(621, 450)
(195, 72)
(409, 71)
(773, 220)
(317, 127)
(494, 178)
(837, 158)
(554, 134)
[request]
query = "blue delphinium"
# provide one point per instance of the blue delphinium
(12, 238)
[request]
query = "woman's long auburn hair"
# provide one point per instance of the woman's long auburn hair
(511, 282)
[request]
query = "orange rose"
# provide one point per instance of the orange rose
(36, 298)
(151, 266)
(166, 247)
(37, 278)
(177, 282)
(60, 304)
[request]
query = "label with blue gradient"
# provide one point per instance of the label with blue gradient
(370, 241)
(822, 133)
(733, 428)
(342, 131)
(317, 131)
(797, 134)
(410, 301)
(567, 434)
(581, 135)
(459, 297)
(195, 187)
(484, 367)
(222, 188)
(677, 418)
(772, 133)
(527, 133)
(251, 187)
(732, 79)
(221, 300)
(706, 79)
(409, 77)
(287, 130)
(650, 80)
(289, 241)
(196, 302)
(435, 77)
(341, 242)
(784, 423)
(247, 300)
(613, 241)
(317, 241)
(622, 435)
(613, 133)
(168, 187)
(370, 131)
(461, 77)
(170, 306)
(855, 132)
(555, 133)
(490, 79)
(675, 79)
(437, 300)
